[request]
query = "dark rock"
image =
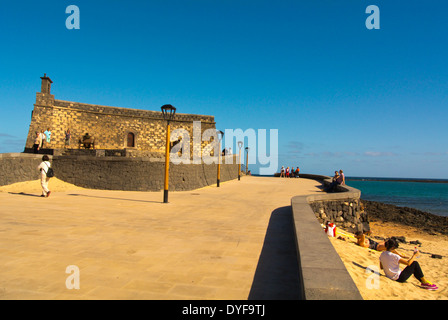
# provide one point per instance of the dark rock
(400, 239)
(428, 222)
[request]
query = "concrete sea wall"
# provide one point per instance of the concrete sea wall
(322, 273)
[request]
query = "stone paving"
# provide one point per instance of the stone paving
(203, 244)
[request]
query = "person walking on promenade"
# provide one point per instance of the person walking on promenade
(43, 168)
(390, 262)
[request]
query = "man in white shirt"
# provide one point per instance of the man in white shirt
(43, 168)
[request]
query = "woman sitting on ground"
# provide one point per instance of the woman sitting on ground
(390, 262)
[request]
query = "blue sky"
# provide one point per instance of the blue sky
(370, 102)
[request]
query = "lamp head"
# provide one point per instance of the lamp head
(220, 134)
(168, 112)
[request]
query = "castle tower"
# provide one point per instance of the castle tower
(46, 84)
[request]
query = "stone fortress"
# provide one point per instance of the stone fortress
(128, 149)
(136, 132)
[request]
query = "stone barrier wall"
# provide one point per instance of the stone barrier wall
(322, 273)
(19, 167)
(137, 174)
(117, 173)
(343, 207)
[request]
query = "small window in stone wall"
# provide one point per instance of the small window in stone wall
(131, 140)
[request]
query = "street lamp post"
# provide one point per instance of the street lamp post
(240, 145)
(247, 159)
(168, 112)
(220, 135)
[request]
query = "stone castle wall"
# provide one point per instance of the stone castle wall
(109, 126)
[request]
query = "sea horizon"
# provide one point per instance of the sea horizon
(424, 194)
(432, 180)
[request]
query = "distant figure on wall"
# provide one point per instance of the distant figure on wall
(47, 137)
(337, 180)
(282, 172)
(37, 142)
(341, 180)
(42, 138)
(67, 138)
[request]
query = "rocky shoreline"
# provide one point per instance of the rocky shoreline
(427, 222)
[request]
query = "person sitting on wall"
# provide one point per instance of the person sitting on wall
(333, 183)
(282, 172)
(341, 179)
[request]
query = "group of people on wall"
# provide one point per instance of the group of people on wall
(43, 138)
(338, 179)
(289, 173)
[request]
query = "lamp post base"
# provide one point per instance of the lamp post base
(165, 196)
(217, 183)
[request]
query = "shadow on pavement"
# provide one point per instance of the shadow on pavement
(111, 198)
(277, 273)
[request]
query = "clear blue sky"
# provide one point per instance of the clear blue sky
(370, 102)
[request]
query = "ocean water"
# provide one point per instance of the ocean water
(425, 195)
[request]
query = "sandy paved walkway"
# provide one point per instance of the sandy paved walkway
(204, 244)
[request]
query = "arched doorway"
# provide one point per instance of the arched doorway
(131, 140)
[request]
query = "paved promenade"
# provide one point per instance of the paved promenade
(232, 242)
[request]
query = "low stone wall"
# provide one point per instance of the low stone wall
(137, 174)
(322, 272)
(343, 207)
(117, 173)
(19, 167)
